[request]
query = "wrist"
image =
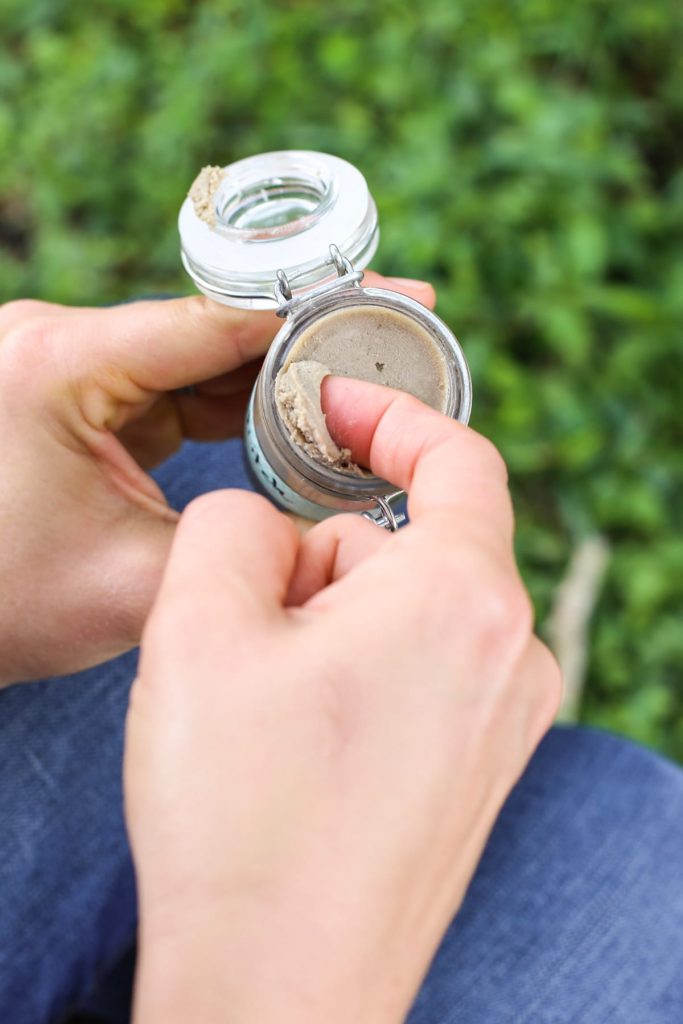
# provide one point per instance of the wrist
(220, 970)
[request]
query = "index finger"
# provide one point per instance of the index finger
(444, 466)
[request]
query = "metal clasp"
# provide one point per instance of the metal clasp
(384, 514)
(346, 276)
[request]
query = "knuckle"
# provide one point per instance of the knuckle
(21, 309)
(493, 606)
(29, 349)
(542, 692)
(219, 504)
(207, 505)
(206, 317)
(489, 456)
(347, 524)
(207, 512)
(502, 614)
(550, 690)
(169, 623)
(192, 311)
(217, 509)
(30, 335)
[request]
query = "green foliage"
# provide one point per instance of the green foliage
(526, 156)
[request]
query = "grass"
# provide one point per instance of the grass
(526, 157)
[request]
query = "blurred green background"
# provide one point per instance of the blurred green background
(525, 156)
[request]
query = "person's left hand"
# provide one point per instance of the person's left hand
(87, 398)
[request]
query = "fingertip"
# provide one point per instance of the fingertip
(422, 291)
(218, 508)
(235, 543)
(441, 462)
(353, 409)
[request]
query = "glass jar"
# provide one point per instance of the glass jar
(292, 231)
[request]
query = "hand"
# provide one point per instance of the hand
(323, 732)
(87, 398)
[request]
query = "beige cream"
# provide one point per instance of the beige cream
(202, 191)
(366, 342)
(297, 396)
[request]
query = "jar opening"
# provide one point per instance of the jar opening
(252, 206)
(270, 204)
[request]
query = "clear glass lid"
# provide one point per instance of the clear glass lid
(243, 223)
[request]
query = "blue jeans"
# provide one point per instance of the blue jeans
(575, 913)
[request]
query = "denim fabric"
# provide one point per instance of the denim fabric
(67, 896)
(575, 914)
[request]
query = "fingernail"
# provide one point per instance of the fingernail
(420, 290)
(409, 282)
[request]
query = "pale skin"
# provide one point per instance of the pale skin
(323, 728)
(87, 403)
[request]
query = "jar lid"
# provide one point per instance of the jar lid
(275, 211)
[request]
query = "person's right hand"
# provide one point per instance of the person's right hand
(323, 732)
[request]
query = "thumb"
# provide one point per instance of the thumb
(231, 563)
(169, 344)
(162, 345)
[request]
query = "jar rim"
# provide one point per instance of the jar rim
(277, 211)
(329, 483)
